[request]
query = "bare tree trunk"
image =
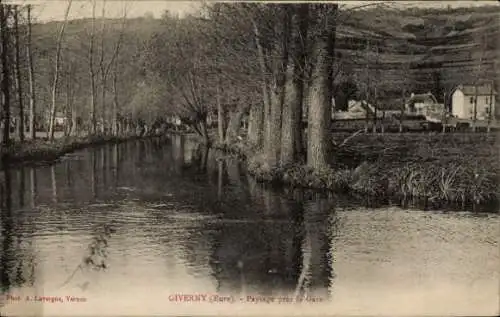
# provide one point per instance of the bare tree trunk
(103, 106)
(115, 102)
(220, 115)
(300, 78)
(474, 111)
(278, 94)
(68, 108)
(234, 124)
(443, 123)
(202, 130)
(266, 95)
(56, 73)
(375, 92)
(4, 13)
(102, 70)
(74, 122)
(92, 73)
(367, 89)
(490, 108)
(382, 126)
(478, 74)
(319, 116)
(291, 134)
(31, 79)
(402, 112)
(367, 117)
(18, 76)
(289, 121)
(113, 63)
(375, 115)
(256, 124)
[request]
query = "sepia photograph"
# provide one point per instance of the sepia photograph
(249, 158)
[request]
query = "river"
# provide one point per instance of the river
(160, 227)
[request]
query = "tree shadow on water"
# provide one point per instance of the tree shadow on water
(7, 255)
(287, 252)
(16, 264)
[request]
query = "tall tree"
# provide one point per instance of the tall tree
(19, 83)
(4, 15)
(266, 94)
(319, 116)
(55, 82)
(102, 70)
(113, 66)
(478, 74)
(92, 118)
(291, 133)
(376, 89)
(278, 90)
(31, 79)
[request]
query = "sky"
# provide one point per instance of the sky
(53, 10)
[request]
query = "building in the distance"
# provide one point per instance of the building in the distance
(462, 101)
(420, 104)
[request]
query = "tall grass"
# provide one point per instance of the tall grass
(458, 169)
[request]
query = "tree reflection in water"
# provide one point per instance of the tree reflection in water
(283, 249)
(33, 187)
(16, 264)
(7, 256)
(258, 242)
(317, 268)
(265, 241)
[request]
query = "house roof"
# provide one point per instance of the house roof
(470, 90)
(422, 98)
(359, 106)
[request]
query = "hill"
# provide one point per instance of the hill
(416, 49)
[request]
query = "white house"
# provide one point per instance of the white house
(462, 101)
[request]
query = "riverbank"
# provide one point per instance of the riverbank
(42, 150)
(433, 169)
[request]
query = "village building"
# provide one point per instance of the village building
(462, 101)
(419, 104)
(426, 105)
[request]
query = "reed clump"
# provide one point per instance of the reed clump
(453, 168)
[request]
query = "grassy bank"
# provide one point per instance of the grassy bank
(450, 169)
(44, 150)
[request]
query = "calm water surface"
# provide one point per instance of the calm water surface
(130, 228)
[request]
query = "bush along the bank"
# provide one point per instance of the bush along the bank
(456, 182)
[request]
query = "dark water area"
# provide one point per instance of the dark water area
(131, 228)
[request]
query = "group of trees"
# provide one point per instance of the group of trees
(279, 65)
(61, 75)
(11, 59)
(275, 62)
